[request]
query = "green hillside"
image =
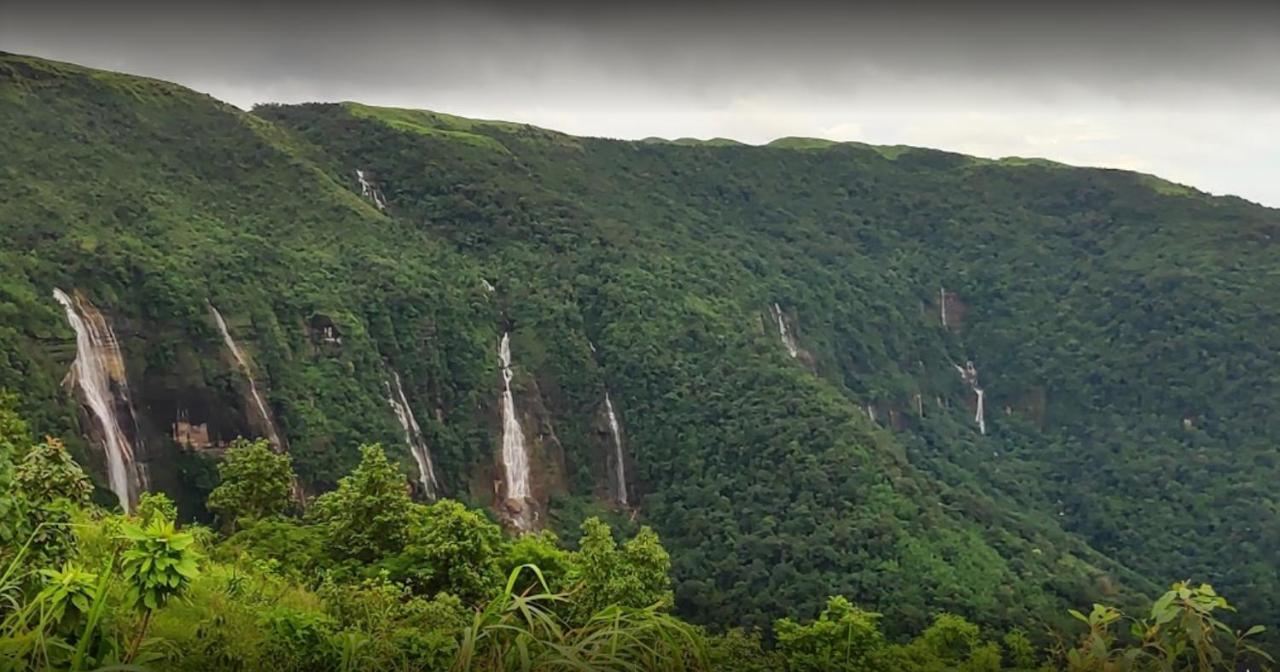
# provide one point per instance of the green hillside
(1122, 331)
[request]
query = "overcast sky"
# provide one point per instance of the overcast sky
(1191, 93)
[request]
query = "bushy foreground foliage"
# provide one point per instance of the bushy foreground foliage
(440, 587)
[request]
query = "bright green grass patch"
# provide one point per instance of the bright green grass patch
(423, 122)
(794, 142)
(696, 142)
(1026, 161)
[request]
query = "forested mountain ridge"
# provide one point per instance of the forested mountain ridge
(1125, 324)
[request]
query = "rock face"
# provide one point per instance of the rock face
(531, 459)
(516, 494)
(98, 376)
(262, 414)
(951, 310)
(969, 374)
(369, 190)
(784, 332)
(413, 438)
(618, 463)
(191, 436)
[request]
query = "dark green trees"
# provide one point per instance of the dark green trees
(369, 515)
(635, 575)
(50, 486)
(451, 549)
(255, 482)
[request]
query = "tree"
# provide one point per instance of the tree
(14, 436)
(951, 643)
(256, 482)
(634, 576)
(368, 517)
(843, 639)
(297, 548)
(454, 550)
(743, 651)
(542, 550)
(51, 486)
(156, 506)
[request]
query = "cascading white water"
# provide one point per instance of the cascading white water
(942, 304)
(369, 191)
(619, 463)
(784, 332)
(488, 286)
(273, 435)
(412, 436)
(98, 371)
(515, 455)
(969, 374)
(980, 416)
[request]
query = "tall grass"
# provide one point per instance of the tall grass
(29, 637)
(523, 632)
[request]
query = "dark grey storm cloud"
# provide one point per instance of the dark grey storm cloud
(1189, 90)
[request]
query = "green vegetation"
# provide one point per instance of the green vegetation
(255, 482)
(457, 596)
(430, 123)
(802, 143)
(1121, 330)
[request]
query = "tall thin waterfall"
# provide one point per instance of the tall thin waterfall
(369, 191)
(969, 374)
(98, 371)
(784, 332)
(980, 416)
(413, 436)
(619, 463)
(515, 455)
(273, 435)
(942, 305)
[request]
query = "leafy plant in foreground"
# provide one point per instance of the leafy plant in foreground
(1182, 634)
(158, 567)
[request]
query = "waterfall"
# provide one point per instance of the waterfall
(488, 287)
(980, 416)
(98, 371)
(942, 304)
(273, 435)
(515, 456)
(412, 436)
(369, 191)
(969, 374)
(788, 339)
(619, 463)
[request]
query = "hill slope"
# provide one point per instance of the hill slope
(1120, 332)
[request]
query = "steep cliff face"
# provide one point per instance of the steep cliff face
(745, 310)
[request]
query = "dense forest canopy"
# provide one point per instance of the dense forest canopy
(928, 382)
